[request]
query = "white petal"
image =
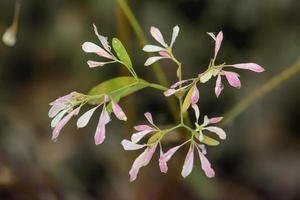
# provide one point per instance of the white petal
(152, 60)
(136, 137)
(153, 48)
(220, 132)
(174, 34)
(149, 117)
(197, 112)
(212, 35)
(85, 118)
(129, 145)
(188, 163)
(102, 39)
(57, 118)
(93, 64)
(156, 34)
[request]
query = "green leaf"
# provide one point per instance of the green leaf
(122, 53)
(210, 141)
(117, 88)
(187, 101)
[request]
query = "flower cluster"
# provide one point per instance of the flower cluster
(149, 136)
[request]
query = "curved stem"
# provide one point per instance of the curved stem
(261, 91)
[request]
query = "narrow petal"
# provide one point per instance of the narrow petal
(93, 64)
(55, 109)
(90, 47)
(63, 122)
(215, 120)
(118, 111)
(57, 118)
(205, 121)
(174, 35)
(233, 79)
(250, 66)
(153, 48)
(175, 85)
(219, 39)
(212, 35)
(165, 157)
(205, 165)
(102, 39)
(197, 112)
(143, 128)
(137, 164)
(195, 95)
(220, 132)
(152, 60)
(136, 137)
(85, 118)
(100, 131)
(129, 145)
(141, 161)
(149, 117)
(156, 34)
(218, 87)
(188, 163)
(171, 91)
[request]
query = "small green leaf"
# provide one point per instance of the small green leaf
(117, 88)
(122, 53)
(210, 141)
(154, 138)
(187, 101)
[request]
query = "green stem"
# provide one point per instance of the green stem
(261, 91)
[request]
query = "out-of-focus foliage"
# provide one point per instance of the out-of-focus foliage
(260, 159)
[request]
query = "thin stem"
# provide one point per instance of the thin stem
(261, 91)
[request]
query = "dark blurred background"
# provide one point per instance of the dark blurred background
(259, 160)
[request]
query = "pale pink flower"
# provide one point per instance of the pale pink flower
(165, 157)
(62, 103)
(118, 111)
(104, 51)
(141, 161)
(178, 87)
(218, 41)
(63, 122)
(220, 132)
(205, 164)
(164, 50)
(188, 162)
(100, 131)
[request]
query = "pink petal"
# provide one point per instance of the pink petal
(178, 83)
(250, 66)
(136, 137)
(129, 145)
(220, 132)
(90, 47)
(233, 79)
(205, 165)
(85, 118)
(195, 95)
(143, 128)
(100, 131)
(153, 48)
(55, 109)
(142, 160)
(197, 112)
(102, 39)
(218, 87)
(164, 158)
(58, 117)
(164, 54)
(149, 117)
(156, 34)
(188, 163)
(174, 35)
(118, 111)
(215, 120)
(219, 39)
(63, 122)
(93, 64)
(152, 60)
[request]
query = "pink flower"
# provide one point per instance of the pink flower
(62, 103)
(232, 77)
(118, 111)
(63, 122)
(104, 51)
(220, 132)
(165, 157)
(100, 131)
(164, 50)
(144, 158)
(189, 161)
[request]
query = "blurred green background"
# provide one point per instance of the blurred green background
(259, 160)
